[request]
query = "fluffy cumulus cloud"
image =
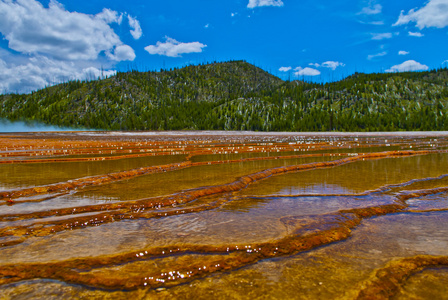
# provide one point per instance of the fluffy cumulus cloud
(258, 3)
(403, 52)
(40, 71)
(173, 48)
(51, 44)
(136, 31)
(31, 28)
(109, 16)
(285, 69)
(306, 71)
(332, 64)
(409, 65)
(121, 53)
(433, 14)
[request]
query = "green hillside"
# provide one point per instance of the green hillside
(239, 96)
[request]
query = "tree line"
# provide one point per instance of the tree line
(238, 96)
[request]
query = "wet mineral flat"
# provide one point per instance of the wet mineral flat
(223, 215)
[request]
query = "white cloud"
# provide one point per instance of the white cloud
(233, 14)
(120, 19)
(416, 34)
(403, 52)
(173, 48)
(109, 16)
(40, 71)
(332, 64)
(372, 56)
(52, 45)
(377, 23)
(136, 31)
(409, 65)
(371, 9)
(381, 36)
(31, 28)
(328, 64)
(258, 3)
(121, 53)
(93, 73)
(306, 71)
(207, 26)
(285, 69)
(433, 14)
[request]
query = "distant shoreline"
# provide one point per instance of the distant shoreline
(221, 133)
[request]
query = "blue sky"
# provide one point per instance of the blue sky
(46, 42)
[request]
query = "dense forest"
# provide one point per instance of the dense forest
(239, 96)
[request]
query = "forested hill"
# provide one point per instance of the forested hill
(239, 96)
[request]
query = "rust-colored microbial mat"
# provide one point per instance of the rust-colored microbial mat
(219, 215)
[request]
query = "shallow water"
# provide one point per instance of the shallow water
(278, 221)
(356, 177)
(24, 175)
